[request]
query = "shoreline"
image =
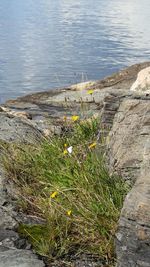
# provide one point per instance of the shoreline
(126, 75)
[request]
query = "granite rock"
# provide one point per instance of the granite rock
(129, 150)
(142, 83)
(18, 258)
(18, 129)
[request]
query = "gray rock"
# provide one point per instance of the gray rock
(142, 83)
(4, 234)
(129, 151)
(17, 129)
(19, 258)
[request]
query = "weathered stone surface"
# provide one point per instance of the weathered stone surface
(130, 155)
(142, 83)
(18, 258)
(13, 128)
(58, 102)
(129, 135)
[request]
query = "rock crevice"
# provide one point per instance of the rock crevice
(125, 115)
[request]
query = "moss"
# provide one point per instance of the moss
(36, 234)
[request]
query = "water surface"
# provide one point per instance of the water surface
(51, 43)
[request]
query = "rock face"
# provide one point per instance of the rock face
(129, 136)
(125, 116)
(130, 156)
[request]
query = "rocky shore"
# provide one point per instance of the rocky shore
(125, 115)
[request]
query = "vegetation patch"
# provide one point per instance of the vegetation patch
(64, 182)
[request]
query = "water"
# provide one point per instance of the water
(51, 43)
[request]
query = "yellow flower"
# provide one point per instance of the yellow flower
(93, 145)
(90, 92)
(54, 194)
(75, 118)
(65, 152)
(69, 212)
(65, 118)
(65, 145)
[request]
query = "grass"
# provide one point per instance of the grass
(72, 193)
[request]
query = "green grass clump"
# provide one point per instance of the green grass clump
(72, 193)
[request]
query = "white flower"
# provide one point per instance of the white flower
(69, 149)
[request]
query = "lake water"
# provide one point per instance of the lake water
(51, 43)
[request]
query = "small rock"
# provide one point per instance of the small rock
(142, 83)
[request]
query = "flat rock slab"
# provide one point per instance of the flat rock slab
(122, 79)
(19, 258)
(57, 103)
